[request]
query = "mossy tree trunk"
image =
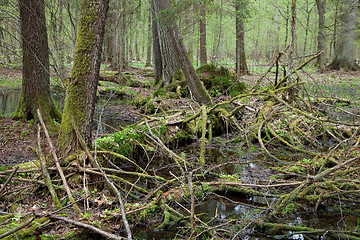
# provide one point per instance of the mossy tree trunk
(344, 53)
(173, 52)
(35, 92)
(82, 86)
(241, 65)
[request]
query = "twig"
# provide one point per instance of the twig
(192, 208)
(8, 180)
(87, 226)
(109, 183)
(57, 164)
(203, 134)
(46, 174)
(17, 228)
(173, 155)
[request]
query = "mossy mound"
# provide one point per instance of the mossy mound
(220, 80)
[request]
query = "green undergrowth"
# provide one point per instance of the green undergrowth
(220, 80)
(10, 83)
(132, 140)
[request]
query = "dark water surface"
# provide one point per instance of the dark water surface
(110, 120)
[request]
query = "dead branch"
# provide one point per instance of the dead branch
(87, 226)
(57, 164)
(109, 183)
(46, 174)
(8, 180)
(28, 222)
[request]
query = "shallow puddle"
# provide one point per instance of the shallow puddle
(110, 121)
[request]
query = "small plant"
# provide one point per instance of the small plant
(85, 216)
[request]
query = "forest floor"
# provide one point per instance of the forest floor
(16, 136)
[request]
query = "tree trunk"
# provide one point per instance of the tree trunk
(202, 28)
(149, 39)
(321, 60)
(111, 40)
(165, 27)
(241, 65)
(174, 55)
(35, 92)
(344, 53)
(156, 47)
(217, 37)
(123, 60)
(81, 90)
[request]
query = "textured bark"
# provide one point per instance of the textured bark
(344, 53)
(202, 29)
(111, 40)
(174, 54)
(321, 61)
(81, 90)
(156, 47)
(123, 60)
(165, 28)
(149, 38)
(241, 65)
(35, 91)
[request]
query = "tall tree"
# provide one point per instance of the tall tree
(344, 53)
(82, 86)
(173, 53)
(35, 92)
(241, 65)
(158, 66)
(149, 38)
(321, 39)
(202, 32)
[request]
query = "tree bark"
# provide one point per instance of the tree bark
(241, 65)
(123, 60)
(35, 92)
(156, 47)
(321, 60)
(149, 38)
(174, 55)
(202, 30)
(344, 53)
(81, 90)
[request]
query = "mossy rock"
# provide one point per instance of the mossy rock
(218, 80)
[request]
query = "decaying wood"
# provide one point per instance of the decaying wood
(21, 226)
(8, 179)
(47, 177)
(87, 226)
(109, 183)
(57, 164)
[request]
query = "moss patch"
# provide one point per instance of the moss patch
(219, 80)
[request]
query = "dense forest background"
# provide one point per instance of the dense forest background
(128, 37)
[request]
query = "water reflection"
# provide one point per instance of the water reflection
(110, 121)
(8, 102)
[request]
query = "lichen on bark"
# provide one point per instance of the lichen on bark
(82, 86)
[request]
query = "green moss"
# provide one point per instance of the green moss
(26, 233)
(220, 80)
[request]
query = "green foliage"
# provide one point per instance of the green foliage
(220, 80)
(145, 104)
